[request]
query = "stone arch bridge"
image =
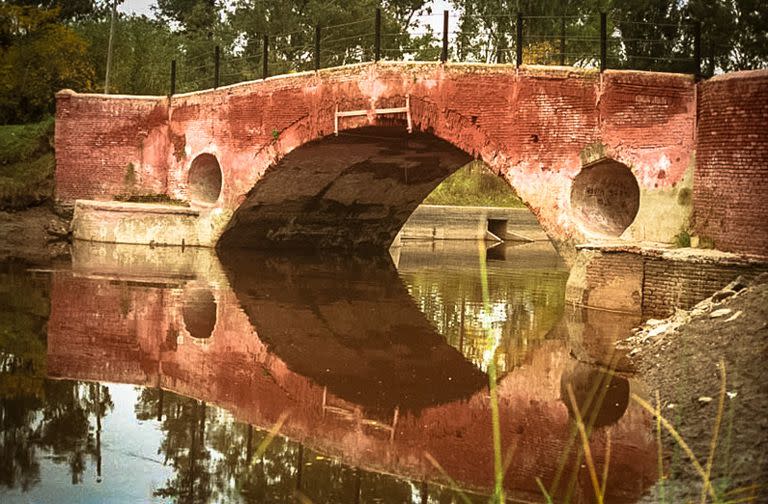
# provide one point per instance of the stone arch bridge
(341, 157)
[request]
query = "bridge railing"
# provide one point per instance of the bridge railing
(588, 40)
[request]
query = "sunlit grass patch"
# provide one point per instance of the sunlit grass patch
(474, 185)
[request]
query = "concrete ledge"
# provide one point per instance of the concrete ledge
(137, 223)
(651, 281)
(123, 206)
(439, 222)
(667, 251)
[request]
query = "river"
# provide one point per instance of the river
(139, 374)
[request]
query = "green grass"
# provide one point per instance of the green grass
(26, 164)
(20, 142)
(474, 185)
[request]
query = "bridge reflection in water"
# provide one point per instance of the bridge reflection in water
(339, 355)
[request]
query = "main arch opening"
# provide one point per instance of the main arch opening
(204, 182)
(605, 197)
(351, 191)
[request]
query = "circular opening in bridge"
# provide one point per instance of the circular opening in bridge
(601, 396)
(199, 312)
(205, 179)
(605, 197)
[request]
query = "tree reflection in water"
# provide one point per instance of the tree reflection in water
(65, 427)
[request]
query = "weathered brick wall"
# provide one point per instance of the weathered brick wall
(109, 146)
(731, 177)
(616, 282)
(651, 283)
(670, 284)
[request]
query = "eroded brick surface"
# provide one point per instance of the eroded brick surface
(731, 177)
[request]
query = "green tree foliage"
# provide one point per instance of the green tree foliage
(643, 34)
(487, 30)
(46, 45)
(143, 49)
(735, 33)
(67, 9)
(39, 56)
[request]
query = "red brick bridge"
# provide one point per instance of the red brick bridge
(341, 157)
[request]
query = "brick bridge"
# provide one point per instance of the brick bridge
(341, 157)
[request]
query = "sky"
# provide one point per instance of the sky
(137, 7)
(143, 7)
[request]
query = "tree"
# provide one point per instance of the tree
(642, 34)
(734, 33)
(41, 56)
(67, 9)
(143, 49)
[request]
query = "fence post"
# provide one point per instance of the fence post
(603, 41)
(501, 50)
(519, 40)
(377, 36)
(444, 52)
(697, 49)
(562, 41)
(317, 48)
(173, 78)
(216, 66)
(265, 58)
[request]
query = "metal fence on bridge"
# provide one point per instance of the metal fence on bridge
(595, 40)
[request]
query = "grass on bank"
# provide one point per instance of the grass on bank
(26, 164)
(474, 185)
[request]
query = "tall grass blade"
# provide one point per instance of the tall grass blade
(662, 497)
(595, 398)
(271, 435)
(498, 465)
(448, 478)
(544, 491)
(715, 434)
(606, 463)
(680, 441)
(585, 445)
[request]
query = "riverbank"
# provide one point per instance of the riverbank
(35, 235)
(680, 357)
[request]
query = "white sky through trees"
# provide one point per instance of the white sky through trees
(145, 7)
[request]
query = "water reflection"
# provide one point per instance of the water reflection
(526, 291)
(346, 356)
(348, 324)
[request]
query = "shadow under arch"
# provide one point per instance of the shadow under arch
(349, 324)
(352, 191)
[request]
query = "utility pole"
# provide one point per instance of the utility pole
(109, 48)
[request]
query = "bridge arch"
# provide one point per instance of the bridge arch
(354, 189)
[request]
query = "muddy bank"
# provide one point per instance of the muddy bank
(680, 357)
(36, 235)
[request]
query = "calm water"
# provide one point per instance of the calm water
(161, 375)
